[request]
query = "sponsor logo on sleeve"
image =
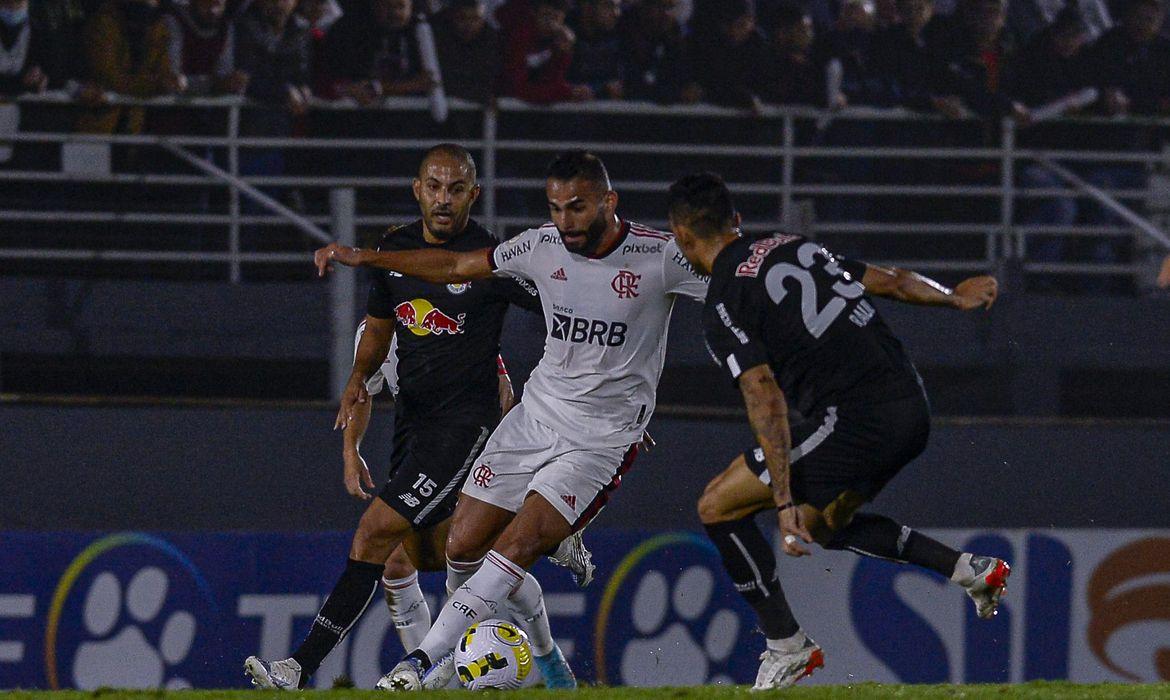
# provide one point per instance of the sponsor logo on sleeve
(721, 309)
(681, 260)
(507, 251)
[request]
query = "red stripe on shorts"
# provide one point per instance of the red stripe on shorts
(602, 496)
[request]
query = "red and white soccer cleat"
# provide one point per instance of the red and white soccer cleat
(782, 669)
(988, 584)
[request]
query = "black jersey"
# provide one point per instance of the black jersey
(785, 301)
(448, 334)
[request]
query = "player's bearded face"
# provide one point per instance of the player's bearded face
(445, 191)
(581, 212)
(588, 239)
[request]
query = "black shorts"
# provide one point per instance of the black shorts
(851, 448)
(428, 468)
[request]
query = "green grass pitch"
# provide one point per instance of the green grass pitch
(1026, 691)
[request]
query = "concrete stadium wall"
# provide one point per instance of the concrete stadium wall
(225, 468)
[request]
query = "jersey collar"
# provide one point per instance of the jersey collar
(625, 232)
(725, 256)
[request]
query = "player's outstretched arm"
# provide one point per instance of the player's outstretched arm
(912, 288)
(434, 265)
(768, 414)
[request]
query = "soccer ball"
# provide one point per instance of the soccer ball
(493, 654)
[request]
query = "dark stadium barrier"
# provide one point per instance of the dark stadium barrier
(1031, 355)
(157, 609)
(215, 467)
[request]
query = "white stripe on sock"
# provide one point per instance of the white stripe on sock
(751, 562)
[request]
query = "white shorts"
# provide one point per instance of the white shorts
(524, 456)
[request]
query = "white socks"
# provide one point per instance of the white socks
(408, 610)
(527, 603)
(459, 571)
(789, 644)
(482, 597)
(964, 573)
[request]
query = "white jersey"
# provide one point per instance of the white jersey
(387, 374)
(607, 320)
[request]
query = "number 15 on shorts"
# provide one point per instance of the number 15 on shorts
(425, 488)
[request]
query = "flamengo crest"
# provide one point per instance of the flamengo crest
(625, 283)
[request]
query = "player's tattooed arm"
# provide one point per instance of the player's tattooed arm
(768, 414)
(912, 288)
(433, 265)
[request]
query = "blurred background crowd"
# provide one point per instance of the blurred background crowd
(955, 57)
(969, 63)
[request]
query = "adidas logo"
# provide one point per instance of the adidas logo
(559, 275)
(571, 500)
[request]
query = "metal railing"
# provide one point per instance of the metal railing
(777, 162)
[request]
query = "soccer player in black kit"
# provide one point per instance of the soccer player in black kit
(448, 342)
(792, 324)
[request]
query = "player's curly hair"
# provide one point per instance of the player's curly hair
(702, 203)
(569, 165)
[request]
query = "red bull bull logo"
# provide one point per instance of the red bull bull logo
(422, 318)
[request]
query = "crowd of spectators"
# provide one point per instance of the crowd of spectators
(972, 57)
(957, 58)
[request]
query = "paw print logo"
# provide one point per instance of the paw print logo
(131, 642)
(681, 639)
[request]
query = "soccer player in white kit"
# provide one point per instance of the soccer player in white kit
(607, 288)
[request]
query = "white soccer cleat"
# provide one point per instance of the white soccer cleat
(572, 554)
(782, 669)
(439, 676)
(406, 676)
(988, 584)
(277, 675)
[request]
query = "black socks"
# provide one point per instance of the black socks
(343, 607)
(877, 536)
(750, 561)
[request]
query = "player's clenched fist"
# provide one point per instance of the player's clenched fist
(324, 258)
(794, 532)
(975, 292)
